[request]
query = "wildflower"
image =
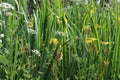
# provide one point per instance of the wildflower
(59, 56)
(1, 35)
(32, 31)
(36, 52)
(6, 6)
(77, 3)
(90, 40)
(53, 41)
(105, 43)
(60, 33)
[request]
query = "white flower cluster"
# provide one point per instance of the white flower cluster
(36, 52)
(6, 6)
(1, 36)
(32, 31)
(60, 33)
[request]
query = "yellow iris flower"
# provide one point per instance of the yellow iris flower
(105, 43)
(53, 41)
(90, 40)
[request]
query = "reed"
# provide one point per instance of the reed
(59, 41)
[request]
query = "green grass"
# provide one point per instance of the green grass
(55, 40)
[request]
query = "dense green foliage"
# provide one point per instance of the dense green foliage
(56, 40)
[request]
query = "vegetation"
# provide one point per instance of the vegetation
(57, 40)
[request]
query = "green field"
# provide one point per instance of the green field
(59, 40)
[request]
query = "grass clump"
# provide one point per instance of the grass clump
(54, 40)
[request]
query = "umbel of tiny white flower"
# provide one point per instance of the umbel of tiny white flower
(36, 52)
(32, 31)
(2, 35)
(60, 33)
(6, 6)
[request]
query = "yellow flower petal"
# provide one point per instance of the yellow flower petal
(105, 43)
(90, 40)
(53, 41)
